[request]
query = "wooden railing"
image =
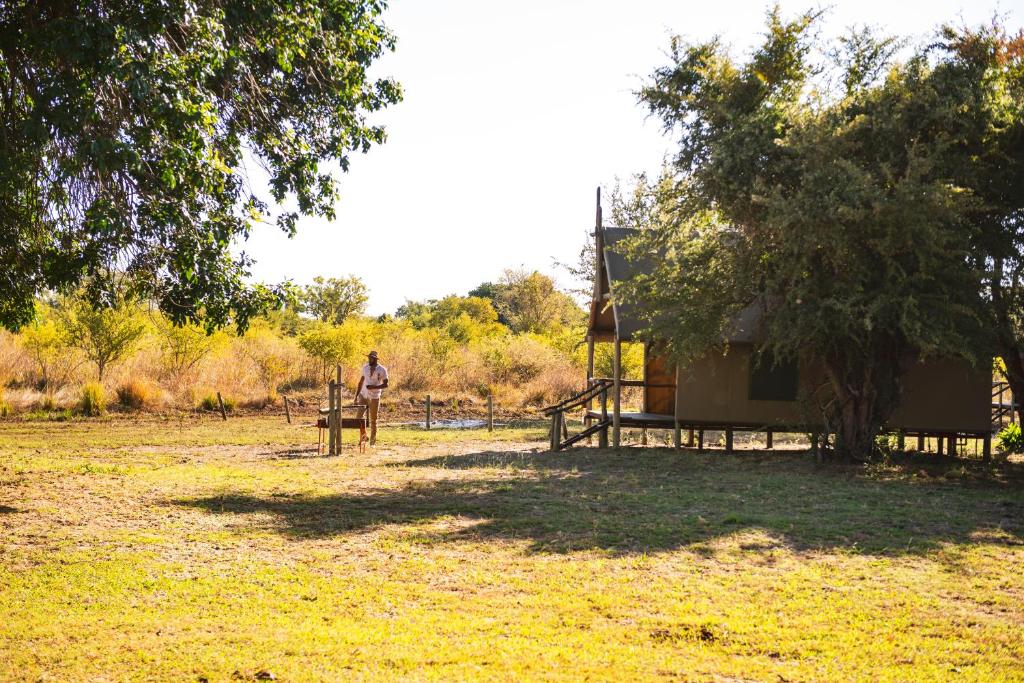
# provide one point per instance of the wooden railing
(559, 434)
(1004, 405)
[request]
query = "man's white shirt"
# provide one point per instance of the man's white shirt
(375, 376)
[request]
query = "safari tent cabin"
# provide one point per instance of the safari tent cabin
(737, 390)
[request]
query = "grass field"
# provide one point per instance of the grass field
(189, 549)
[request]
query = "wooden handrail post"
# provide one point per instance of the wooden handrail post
(602, 439)
(617, 398)
(768, 439)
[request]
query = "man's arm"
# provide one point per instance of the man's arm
(360, 387)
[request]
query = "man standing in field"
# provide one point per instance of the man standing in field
(372, 383)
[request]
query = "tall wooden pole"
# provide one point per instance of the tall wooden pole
(428, 412)
(330, 417)
(490, 412)
(617, 393)
(602, 436)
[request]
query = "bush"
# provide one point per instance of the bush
(1011, 439)
(134, 394)
(47, 403)
(209, 402)
(93, 400)
(5, 406)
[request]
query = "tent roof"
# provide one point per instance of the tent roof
(608, 316)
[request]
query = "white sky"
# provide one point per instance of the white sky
(513, 114)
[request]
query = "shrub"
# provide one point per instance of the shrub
(47, 403)
(1011, 439)
(209, 402)
(5, 406)
(93, 400)
(134, 394)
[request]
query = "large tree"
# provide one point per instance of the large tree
(127, 127)
(332, 300)
(984, 69)
(827, 196)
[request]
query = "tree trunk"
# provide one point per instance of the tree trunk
(866, 392)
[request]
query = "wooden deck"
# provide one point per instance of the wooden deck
(638, 419)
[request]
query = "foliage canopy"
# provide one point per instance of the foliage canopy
(127, 129)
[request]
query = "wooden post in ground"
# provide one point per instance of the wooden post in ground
(331, 410)
(490, 413)
(617, 397)
(223, 412)
(689, 439)
(700, 440)
(287, 412)
(920, 443)
(590, 378)
(677, 435)
(901, 441)
(728, 439)
(427, 423)
(602, 436)
(339, 390)
(768, 439)
(986, 449)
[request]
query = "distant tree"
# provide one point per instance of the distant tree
(531, 302)
(418, 313)
(824, 198)
(328, 345)
(46, 344)
(104, 335)
(183, 347)
(332, 300)
(128, 126)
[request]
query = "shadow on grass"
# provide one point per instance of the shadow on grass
(649, 500)
(7, 510)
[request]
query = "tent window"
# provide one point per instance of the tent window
(772, 381)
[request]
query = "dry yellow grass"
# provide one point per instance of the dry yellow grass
(196, 550)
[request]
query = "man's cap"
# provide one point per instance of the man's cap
(371, 354)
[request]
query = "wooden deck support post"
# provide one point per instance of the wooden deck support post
(700, 440)
(427, 422)
(287, 413)
(617, 397)
(490, 412)
(677, 435)
(920, 443)
(986, 449)
(901, 441)
(689, 439)
(728, 439)
(768, 439)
